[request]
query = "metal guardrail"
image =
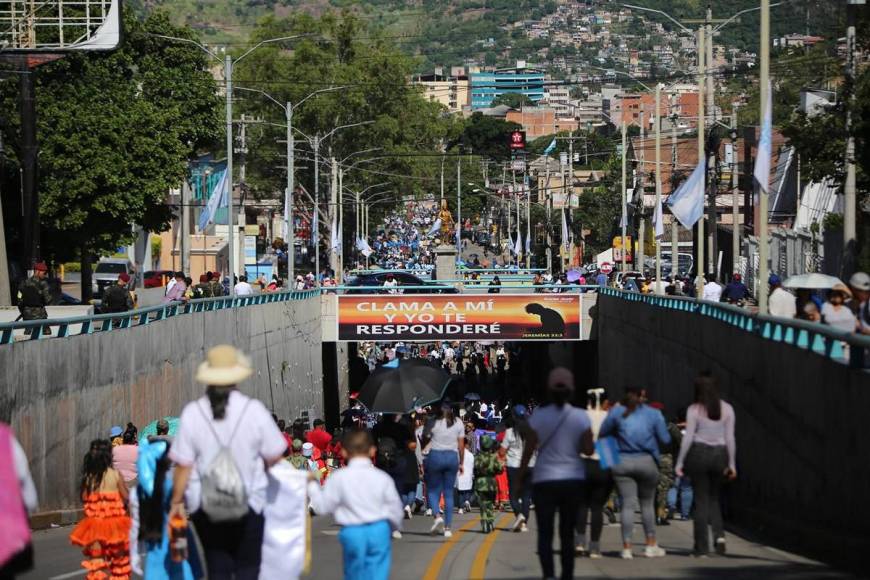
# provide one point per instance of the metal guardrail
(141, 316)
(434, 288)
(832, 343)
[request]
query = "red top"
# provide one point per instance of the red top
(319, 438)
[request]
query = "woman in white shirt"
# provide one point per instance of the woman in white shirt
(520, 489)
(708, 452)
(445, 438)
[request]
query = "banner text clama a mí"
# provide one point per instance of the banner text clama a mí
(455, 317)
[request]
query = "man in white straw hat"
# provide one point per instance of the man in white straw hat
(229, 440)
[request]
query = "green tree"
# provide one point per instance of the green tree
(513, 100)
(115, 132)
(488, 137)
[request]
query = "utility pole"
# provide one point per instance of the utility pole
(5, 286)
(701, 240)
(549, 218)
(459, 208)
(339, 274)
(289, 224)
(711, 161)
(735, 205)
(333, 213)
(659, 214)
(231, 217)
(624, 195)
(764, 53)
(639, 185)
(185, 227)
(315, 221)
(528, 247)
(675, 224)
(850, 210)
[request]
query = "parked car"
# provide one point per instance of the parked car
(404, 279)
(157, 278)
(107, 272)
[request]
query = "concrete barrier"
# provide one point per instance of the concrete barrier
(61, 393)
(802, 444)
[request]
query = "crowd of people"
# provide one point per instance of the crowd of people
(404, 238)
(206, 473)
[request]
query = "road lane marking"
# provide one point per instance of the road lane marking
(437, 561)
(69, 575)
(478, 567)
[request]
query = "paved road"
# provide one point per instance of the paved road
(504, 555)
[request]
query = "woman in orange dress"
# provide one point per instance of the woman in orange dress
(104, 533)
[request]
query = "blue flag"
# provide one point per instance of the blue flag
(551, 147)
(218, 198)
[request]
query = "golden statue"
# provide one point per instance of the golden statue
(446, 219)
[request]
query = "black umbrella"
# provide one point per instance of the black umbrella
(400, 388)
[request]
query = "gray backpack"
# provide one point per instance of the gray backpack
(224, 497)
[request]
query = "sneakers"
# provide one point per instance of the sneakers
(518, 523)
(408, 515)
(595, 554)
(428, 511)
(448, 533)
(654, 552)
(460, 511)
(580, 551)
(467, 506)
(524, 527)
(437, 526)
(626, 554)
(397, 535)
(720, 546)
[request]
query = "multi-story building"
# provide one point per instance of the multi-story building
(559, 98)
(486, 86)
(540, 121)
(452, 91)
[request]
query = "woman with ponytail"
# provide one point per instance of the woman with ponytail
(230, 440)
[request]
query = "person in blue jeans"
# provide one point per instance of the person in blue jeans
(444, 436)
(682, 491)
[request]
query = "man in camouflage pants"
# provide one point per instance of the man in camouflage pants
(34, 295)
(486, 467)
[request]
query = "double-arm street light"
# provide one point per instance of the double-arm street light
(289, 229)
(229, 63)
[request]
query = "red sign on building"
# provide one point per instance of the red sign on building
(518, 139)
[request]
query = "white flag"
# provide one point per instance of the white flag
(434, 229)
(657, 221)
(518, 246)
(765, 143)
(687, 203)
(315, 234)
(335, 238)
(528, 240)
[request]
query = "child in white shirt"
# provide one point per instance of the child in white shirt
(465, 482)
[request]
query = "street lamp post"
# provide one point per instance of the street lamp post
(229, 63)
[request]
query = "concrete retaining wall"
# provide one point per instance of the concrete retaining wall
(802, 443)
(59, 394)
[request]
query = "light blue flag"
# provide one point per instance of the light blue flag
(434, 229)
(218, 198)
(765, 145)
(551, 147)
(687, 203)
(528, 241)
(315, 235)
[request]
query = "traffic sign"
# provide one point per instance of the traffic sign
(606, 267)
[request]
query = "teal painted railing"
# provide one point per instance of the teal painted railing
(63, 327)
(821, 339)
